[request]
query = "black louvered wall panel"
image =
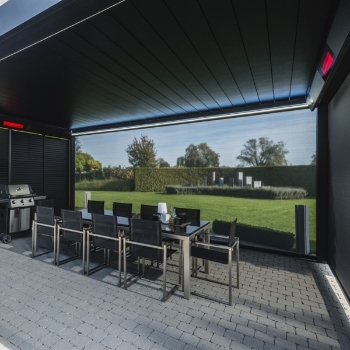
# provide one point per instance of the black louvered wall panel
(27, 160)
(56, 170)
(339, 185)
(4, 155)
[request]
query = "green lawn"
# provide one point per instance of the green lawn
(275, 214)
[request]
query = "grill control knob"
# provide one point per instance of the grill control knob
(22, 200)
(14, 202)
(30, 200)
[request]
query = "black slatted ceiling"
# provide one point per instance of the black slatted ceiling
(206, 52)
(27, 160)
(56, 170)
(4, 155)
(282, 24)
(308, 42)
(221, 18)
(149, 59)
(257, 45)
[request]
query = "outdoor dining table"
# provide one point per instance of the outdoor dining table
(184, 233)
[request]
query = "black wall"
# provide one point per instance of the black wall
(339, 184)
(4, 155)
(41, 161)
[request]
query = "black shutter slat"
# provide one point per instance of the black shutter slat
(4, 155)
(27, 160)
(56, 170)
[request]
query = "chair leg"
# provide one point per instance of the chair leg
(58, 248)
(180, 264)
(120, 262)
(164, 272)
(125, 273)
(237, 260)
(87, 259)
(143, 266)
(83, 249)
(33, 239)
(230, 276)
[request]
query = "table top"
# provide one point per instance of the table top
(168, 230)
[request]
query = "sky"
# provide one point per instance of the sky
(297, 129)
(15, 12)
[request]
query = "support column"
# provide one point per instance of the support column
(322, 184)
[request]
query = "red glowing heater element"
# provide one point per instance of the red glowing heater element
(327, 63)
(12, 125)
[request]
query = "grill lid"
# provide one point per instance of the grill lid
(8, 191)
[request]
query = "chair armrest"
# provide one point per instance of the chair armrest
(217, 235)
(70, 230)
(217, 245)
(127, 240)
(210, 245)
(104, 237)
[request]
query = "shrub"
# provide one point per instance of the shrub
(243, 192)
(155, 179)
(105, 185)
(258, 235)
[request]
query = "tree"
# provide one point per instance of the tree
(199, 156)
(85, 163)
(180, 161)
(142, 153)
(263, 153)
(161, 163)
(313, 159)
(77, 145)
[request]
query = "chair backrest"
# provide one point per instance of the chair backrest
(45, 216)
(192, 215)
(72, 220)
(147, 211)
(105, 225)
(122, 209)
(232, 234)
(147, 232)
(96, 207)
(49, 203)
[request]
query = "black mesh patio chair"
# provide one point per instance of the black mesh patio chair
(96, 207)
(104, 234)
(147, 211)
(192, 215)
(72, 230)
(221, 232)
(122, 209)
(44, 225)
(145, 241)
(49, 203)
(219, 254)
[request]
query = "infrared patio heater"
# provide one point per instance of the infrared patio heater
(16, 202)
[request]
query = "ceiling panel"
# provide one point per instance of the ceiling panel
(282, 25)
(309, 43)
(146, 60)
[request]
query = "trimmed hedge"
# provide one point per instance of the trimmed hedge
(156, 179)
(243, 192)
(105, 185)
(259, 235)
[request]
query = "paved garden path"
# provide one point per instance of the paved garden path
(283, 303)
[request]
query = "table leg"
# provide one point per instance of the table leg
(186, 268)
(206, 239)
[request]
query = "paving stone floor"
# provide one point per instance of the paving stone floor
(283, 303)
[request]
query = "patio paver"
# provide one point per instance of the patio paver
(283, 303)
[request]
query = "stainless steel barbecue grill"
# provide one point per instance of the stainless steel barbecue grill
(16, 202)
